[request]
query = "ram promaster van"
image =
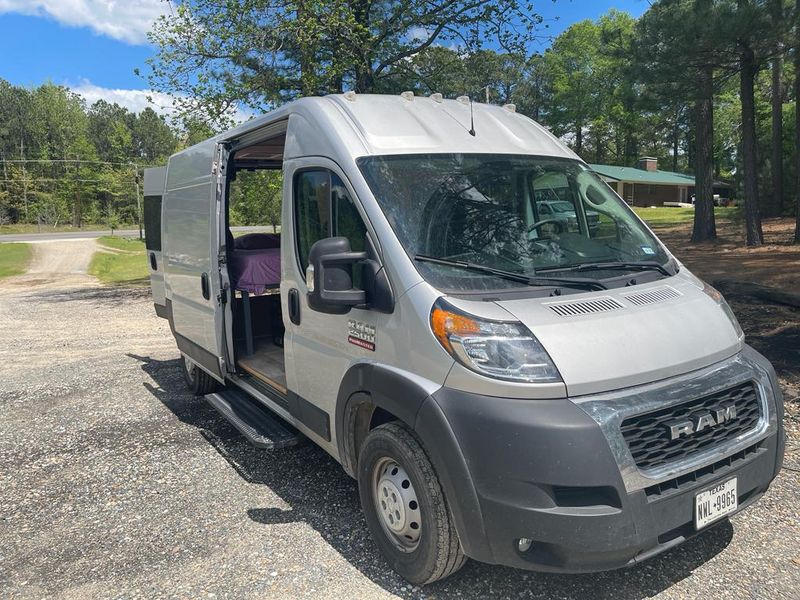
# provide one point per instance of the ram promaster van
(549, 393)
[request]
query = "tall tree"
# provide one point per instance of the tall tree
(213, 54)
(797, 116)
(573, 81)
(748, 17)
(775, 204)
(683, 44)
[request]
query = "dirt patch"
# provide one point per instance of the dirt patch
(776, 263)
(56, 264)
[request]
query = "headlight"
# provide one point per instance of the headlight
(499, 349)
(715, 295)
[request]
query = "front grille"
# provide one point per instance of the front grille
(703, 475)
(648, 438)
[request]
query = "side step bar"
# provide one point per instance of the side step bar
(261, 427)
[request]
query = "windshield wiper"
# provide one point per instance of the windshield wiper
(574, 282)
(615, 266)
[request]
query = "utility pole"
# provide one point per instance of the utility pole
(138, 200)
(24, 177)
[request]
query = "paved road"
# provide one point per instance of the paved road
(74, 235)
(116, 483)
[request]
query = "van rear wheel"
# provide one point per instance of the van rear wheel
(198, 381)
(404, 506)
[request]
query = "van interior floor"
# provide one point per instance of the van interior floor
(266, 363)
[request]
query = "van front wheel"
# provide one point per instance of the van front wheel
(404, 506)
(198, 381)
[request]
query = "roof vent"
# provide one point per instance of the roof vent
(437, 97)
(351, 96)
(510, 107)
(463, 99)
(661, 294)
(585, 307)
(407, 96)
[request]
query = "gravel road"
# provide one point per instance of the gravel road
(116, 483)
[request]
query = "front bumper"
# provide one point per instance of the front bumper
(558, 472)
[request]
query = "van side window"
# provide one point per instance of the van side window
(312, 206)
(324, 208)
(348, 222)
(152, 222)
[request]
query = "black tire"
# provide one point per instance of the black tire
(198, 381)
(437, 553)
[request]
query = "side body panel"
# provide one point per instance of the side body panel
(190, 244)
(154, 182)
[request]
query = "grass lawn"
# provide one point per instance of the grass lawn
(18, 228)
(121, 261)
(14, 259)
(672, 217)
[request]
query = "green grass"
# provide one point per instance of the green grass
(672, 217)
(14, 259)
(19, 228)
(121, 262)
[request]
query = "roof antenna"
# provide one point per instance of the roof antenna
(471, 119)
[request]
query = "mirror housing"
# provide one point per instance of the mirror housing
(331, 264)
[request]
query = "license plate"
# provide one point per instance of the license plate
(715, 503)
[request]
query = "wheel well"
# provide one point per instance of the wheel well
(367, 417)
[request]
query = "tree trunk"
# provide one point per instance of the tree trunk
(705, 227)
(578, 138)
(675, 145)
(797, 120)
(754, 234)
(775, 207)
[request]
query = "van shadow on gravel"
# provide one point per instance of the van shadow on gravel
(105, 295)
(323, 496)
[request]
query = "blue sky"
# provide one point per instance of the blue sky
(93, 46)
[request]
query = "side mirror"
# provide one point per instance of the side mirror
(329, 276)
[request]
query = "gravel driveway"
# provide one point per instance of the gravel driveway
(114, 482)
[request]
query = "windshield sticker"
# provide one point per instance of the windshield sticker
(361, 334)
(648, 250)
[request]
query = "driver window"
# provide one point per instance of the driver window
(324, 208)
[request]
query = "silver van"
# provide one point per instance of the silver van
(505, 385)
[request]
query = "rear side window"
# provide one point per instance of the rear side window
(324, 208)
(152, 222)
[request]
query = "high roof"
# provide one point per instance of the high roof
(372, 124)
(636, 175)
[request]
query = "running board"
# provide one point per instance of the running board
(262, 428)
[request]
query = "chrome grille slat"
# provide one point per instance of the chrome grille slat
(648, 439)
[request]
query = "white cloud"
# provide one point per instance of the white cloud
(134, 100)
(124, 20)
(138, 100)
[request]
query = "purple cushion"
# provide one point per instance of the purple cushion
(257, 241)
(255, 270)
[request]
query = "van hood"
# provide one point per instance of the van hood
(620, 338)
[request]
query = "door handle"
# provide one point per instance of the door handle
(153, 263)
(204, 287)
(294, 306)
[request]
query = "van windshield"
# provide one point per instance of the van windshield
(521, 215)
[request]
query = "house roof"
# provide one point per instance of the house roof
(635, 175)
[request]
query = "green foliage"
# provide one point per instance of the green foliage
(14, 259)
(259, 53)
(255, 198)
(120, 262)
(80, 160)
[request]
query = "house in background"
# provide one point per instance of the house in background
(646, 185)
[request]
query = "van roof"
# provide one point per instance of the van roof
(373, 124)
